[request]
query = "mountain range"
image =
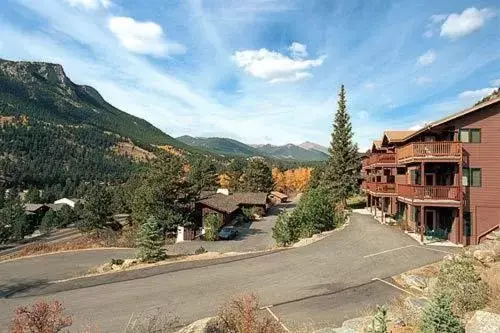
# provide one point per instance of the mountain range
(306, 151)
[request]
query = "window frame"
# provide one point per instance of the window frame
(467, 172)
(469, 132)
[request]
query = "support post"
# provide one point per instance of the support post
(422, 223)
(460, 228)
(382, 208)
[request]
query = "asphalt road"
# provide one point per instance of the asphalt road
(315, 286)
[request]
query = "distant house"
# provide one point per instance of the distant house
(278, 197)
(32, 209)
(227, 205)
(70, 202)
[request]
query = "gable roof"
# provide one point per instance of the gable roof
(377, 144)
(279, 194)
(220, 202)
(397, 136)
(455, 116)
(230, 203)
(31, 207)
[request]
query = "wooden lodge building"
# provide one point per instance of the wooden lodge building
(442, 180)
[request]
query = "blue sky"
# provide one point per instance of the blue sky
(267, 71)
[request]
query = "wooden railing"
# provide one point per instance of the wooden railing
(429, 192)
(382, 158)
(430, 149)
(381, 187)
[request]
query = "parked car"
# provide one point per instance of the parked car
(227, 233)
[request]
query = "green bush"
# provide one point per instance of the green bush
(50, 221)
(116, 261)
(285, 232)
(438, 316)
(459, 279)
(248, 212)
(200, 250)
(212, 226)
(379, 321)
(150, 241)
(315, 213)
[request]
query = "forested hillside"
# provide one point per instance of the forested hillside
(55, 134)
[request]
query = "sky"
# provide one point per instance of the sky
(267, 71)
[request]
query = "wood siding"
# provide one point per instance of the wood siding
(483, 202)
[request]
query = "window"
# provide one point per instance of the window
(467, 224)
(472, 177)
(472, 135)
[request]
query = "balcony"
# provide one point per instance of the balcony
(429, 151)
(430, 193)
(380, 160)
(379, 188)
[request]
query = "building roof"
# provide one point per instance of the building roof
(31, 207)
(55, 207)
(455, 116)
(377, 144)
(230, 203)
(220, 202)
(279, 194)
(397, 136)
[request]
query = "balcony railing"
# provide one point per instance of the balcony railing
(381, 187)
(422, 192)
(383, 158)
(430, 150)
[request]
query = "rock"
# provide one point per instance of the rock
(116, 267)
(414, 281)
(199, 326)
(496, 251)
(484, 256)
(354, 325)
(483, 322)
(104, 268)
(416, 302)
(129, 263)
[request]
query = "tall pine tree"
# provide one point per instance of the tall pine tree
(342, 170)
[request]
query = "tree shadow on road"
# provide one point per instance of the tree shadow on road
(16, 286)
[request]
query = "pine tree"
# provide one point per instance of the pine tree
(342, 170)
(438, 317)
(257, 177)
(150, 241)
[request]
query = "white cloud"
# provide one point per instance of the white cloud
(423, 80)
(470, 20)
(143, 37)
(474, 95)
(428, 33)
(298, 50)
(90, 4)
(496, 83)
(438, 18)
(427, 58)
(273, 66)
(416, 127)
(299, 76)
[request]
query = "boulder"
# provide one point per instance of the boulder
(414, 281)
(496, 250)
(199, 326)
(129, 263)
(484, 256)
(483, 322)
(355, 325)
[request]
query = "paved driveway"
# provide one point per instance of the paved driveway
(252, 236)
(318, 285)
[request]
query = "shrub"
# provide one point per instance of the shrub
(200, 250)
(116, 261)
(257, 210)
(438, 317)
(212, 226)
(43, 317)
(241, 315)
(285, 232)
(248, 212)
(459, 279)
(379, 321)
(50, 221)
(150, 241)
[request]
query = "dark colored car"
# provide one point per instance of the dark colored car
(228, 233)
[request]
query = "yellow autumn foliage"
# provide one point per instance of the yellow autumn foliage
(291, 181)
